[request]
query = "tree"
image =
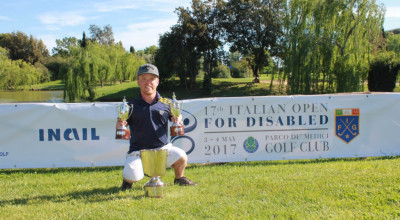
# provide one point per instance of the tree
(149, 53)
(253, 27)
(22, 47)
(83, 42)
(95, 65)
(151, 50)
(205, 15)
(64, 45)
(393, 43)
(132, 50)
(102, 36)
(53, 64)
(328, 44)
(169, 57)
(383, 72)
(178, 52)
(15, 73)
(198, 36)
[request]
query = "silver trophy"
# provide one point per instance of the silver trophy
(154, 166)
(124, 112)
(176, 109)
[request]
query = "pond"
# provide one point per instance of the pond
(53, 96)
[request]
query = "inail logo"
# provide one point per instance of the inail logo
(68, 134)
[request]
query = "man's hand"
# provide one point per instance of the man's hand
(178, 120)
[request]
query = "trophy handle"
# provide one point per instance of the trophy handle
(131, 111)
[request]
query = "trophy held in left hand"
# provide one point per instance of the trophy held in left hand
(176, 109)
(124, 112)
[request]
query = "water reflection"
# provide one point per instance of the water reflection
(55, 96)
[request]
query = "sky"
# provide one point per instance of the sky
(137, 23)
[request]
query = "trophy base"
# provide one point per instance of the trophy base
(123, 134)
(154, 188)
(177, 130)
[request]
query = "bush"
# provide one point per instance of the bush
(221, 71)
(383, 72)
(240, 70)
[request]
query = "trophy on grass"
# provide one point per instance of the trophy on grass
(176, 109)
(124, 112)
(154, 166)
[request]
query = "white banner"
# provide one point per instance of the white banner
(216, 130)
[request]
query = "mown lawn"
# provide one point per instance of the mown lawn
(296, 189)
(228, 87)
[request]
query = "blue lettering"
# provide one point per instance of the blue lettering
(301, 120)
(69, 134)
(269, 120)
(94, 137)
(84, 134)
(323, 119)
(312, 120)
(219, 122)
(3, 154)
(232, 122)
(251, 121)
(41, 135)
(52, 134)
(207, 121)
(290, 120)
(280, 121)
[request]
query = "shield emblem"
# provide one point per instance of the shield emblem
(347, 123)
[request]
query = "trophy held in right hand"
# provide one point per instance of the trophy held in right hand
(124, 112)
(176, 109)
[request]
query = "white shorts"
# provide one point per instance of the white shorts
(133, 169)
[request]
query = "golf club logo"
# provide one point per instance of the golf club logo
(347, 123)
(250, 145)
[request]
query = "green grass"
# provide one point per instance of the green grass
(230, 87)
(117, 91)
(297, 189)
(52, 85)
(397, 89)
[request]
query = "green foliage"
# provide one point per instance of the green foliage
(103, 36)
(293, 189)
(240, 70)
(253, 28)
(151, 50)
(329, 43)
(148, 53)
(393, 44)
(94, 66)
(15, 73)
(221, 71)
(132, 50)
(168, 58)
(54, 64)
(383, 72)
(324, 46)
(177, 56)
(22, 47)
(63, 46)
(83, 42)
(195, 36)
